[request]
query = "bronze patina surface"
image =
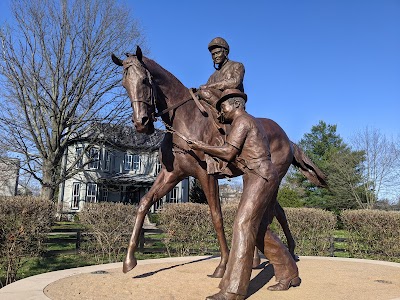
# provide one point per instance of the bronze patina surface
(228, 74)
(247, 147)
(155, 91)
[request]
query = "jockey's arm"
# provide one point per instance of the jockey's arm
(232, 79)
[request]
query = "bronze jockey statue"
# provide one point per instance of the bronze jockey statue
(247, 147)
(228, 73)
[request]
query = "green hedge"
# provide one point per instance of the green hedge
(108, 228)
(189, 228)
(312, 229)
(373, 233)
(24, 224)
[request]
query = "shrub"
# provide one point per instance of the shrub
(24, 224)
(229, 211)
(188, 227)
(373, 233)
(109, 226)
(312, 229)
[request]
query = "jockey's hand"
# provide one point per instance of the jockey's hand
(194, 90)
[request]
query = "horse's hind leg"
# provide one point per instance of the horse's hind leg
(210, 188)
(281, 217)
(256, 258)
(164, 183)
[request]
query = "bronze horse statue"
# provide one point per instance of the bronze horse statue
(154, 91)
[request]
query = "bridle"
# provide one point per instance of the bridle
(152, 101)
(148, 81)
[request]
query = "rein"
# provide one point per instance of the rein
(163, 112)
(153, 101)
(153, 96)
(194, 97)
(173, 131)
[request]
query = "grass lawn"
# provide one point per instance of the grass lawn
(67, 241)
(340, 246)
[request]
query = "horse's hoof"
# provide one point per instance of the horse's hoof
(129, 264)
(295, 257)
(218, 273)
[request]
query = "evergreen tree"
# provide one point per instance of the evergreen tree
(289, 197)
(341, 165)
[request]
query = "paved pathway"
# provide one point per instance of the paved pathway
(185, 278)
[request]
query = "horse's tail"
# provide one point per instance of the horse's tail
(307, 167)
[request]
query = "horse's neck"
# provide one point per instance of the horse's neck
(189, 121)
(171, 90)
(187, 118)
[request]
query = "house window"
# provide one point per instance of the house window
(78, 157)
(76, 190)
(158, 168)
(107, 160)
(136, 162)
(94, 156)
(104, 194)
(173, 195)
(132, 162)
(91, 192)
(128, 162)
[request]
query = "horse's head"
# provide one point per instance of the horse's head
(141, 90)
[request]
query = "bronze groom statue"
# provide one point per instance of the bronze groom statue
(247, 146)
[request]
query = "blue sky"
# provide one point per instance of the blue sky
(336, 61)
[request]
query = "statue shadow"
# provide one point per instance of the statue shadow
(172, 267)
(261, 279)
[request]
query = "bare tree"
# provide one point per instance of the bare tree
(381, 166)
(58, 78)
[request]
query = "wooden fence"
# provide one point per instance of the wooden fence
(76, 236)
(66, 237)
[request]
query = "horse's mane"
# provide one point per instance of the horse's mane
(173, 93)
(166, 81)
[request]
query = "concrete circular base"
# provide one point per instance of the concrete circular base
(186, 278)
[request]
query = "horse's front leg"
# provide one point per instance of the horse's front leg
(164, 183)
(210, 188)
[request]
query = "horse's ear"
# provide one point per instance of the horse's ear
(116, 60)
(139, 53)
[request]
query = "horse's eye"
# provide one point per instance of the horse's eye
(146, 81)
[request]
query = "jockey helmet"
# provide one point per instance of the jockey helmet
(218, 42)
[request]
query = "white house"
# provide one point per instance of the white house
(9, 174)
(113, 163)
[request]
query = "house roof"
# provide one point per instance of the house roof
(130, 179)
(125, 137)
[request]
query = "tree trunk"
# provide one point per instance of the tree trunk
(48, 193)
(49, 185)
